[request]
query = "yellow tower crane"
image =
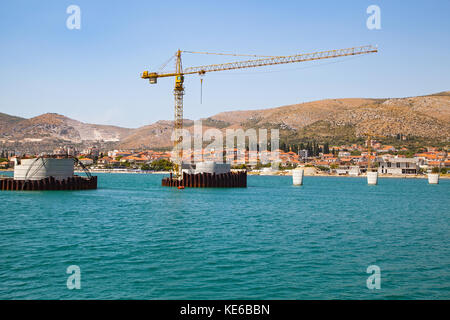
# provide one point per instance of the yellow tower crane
(179, 74)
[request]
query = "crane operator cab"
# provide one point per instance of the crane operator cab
(179, 79)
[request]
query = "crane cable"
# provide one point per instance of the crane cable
(254, 55)
(165, 64)
(274, 71)
(201, 90)
(232, 54)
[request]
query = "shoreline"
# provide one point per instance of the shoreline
(280, 174)
(423, 176)
(250, 173)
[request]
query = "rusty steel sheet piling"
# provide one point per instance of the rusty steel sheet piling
(208, 180)
(50, 183)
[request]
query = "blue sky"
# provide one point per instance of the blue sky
(92, 74)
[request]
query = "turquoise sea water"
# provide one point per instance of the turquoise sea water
(134, 239)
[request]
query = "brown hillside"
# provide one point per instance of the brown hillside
(424, 118)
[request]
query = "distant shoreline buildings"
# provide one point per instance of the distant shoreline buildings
(340, 160)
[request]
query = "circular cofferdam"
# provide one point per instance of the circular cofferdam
(212, 167)
(41, 168)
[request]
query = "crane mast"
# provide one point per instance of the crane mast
(179, 74)
(178, 93)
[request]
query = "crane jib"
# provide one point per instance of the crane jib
(282, 60)
(264, 62)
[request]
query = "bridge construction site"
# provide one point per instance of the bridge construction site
(181, 178)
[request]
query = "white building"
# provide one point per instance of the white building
(389, 165)
(348, 170)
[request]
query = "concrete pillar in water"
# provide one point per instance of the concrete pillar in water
(297, 177)
(433, 178)
(372, 178)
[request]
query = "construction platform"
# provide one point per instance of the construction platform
(49, 183)
(208, 180)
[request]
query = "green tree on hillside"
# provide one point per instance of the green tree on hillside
(302, 146)
(162, 165)
(326, 148)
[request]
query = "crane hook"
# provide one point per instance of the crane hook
(201, 89)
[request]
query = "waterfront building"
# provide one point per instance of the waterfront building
(348, 170)
(391, 165)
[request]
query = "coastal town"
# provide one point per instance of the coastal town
(225, 159)
(344, 160)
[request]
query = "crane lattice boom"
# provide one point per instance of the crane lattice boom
(281, 60)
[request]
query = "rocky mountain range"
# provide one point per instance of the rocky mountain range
(423, 118)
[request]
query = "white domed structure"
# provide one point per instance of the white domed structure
(41, 168)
